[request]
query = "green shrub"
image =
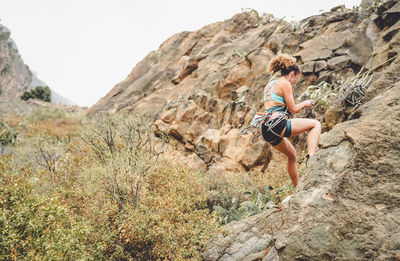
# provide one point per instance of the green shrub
(256, 203)
(36, 227)
(172, 222)
(108, 198)
(39, 93)
(223, 186)
(42, 114)
(8, 136)
(27, 95)
(251, 203)
(160, 211)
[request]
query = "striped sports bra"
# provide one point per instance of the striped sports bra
(274, 96)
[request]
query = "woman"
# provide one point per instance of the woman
(278, 101)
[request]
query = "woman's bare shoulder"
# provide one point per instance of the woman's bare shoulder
(283, 85)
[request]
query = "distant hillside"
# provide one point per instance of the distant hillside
(15, 76)
(55, 97)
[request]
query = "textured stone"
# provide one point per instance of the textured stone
(320, 65)
(15, 76)
(272, 255)
(211, 139)
(235, 246)
(345, 206)
(322, 47)
(339, 62)
(307, 67)
(311, 54)
(313, 67)
(169, 116)
(392, 15)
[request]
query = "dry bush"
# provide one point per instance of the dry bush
(223, 187)
(41, 114)
(149, 209)
(61, 129)
(129, 204)
(34, 227)
(126, 146)
(51, 156)
(173, 221)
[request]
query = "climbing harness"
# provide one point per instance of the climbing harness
(278, 115)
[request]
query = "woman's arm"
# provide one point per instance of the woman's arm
(288, 95)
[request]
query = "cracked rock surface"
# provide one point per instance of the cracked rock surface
(346, 205)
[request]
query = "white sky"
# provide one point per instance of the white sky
(82, 48)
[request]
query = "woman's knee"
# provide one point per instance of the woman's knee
(317, 124)
(291, 155)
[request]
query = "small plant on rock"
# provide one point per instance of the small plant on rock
(256, 203)
(323, 93)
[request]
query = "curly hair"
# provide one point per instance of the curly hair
(283, 63)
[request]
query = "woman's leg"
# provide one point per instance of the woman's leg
(287, 148)
(302, 125)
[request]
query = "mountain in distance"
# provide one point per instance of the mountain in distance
(55, 97)
(16, 77)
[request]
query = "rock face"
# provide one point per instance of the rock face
(202, 87)
(346, 204)
(15, 76)
(209, 128)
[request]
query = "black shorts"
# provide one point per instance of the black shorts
(270, 135)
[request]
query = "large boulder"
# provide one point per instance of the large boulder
(323, 46)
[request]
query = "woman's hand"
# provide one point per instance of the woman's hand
(308, 103)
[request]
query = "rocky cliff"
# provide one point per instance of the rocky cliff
(15, 76)
(201, 87)
(346, 204)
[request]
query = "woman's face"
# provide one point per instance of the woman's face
(293, 77)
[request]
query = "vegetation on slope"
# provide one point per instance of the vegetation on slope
(39, 93)
(99, 188)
